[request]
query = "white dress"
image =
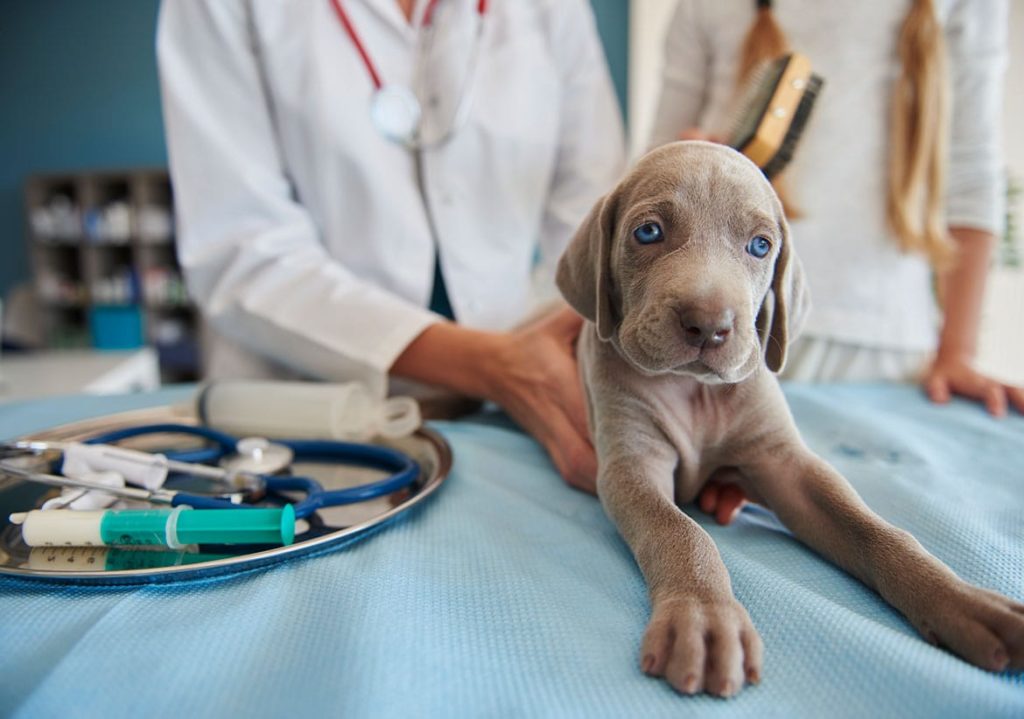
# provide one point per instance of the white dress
(301, 232)
(874, 315)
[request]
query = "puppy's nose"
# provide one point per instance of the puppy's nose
(706, 329)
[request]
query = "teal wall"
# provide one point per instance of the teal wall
(79, 90)
(78, 87)
(613, 24)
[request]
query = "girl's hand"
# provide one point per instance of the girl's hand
(695, 133)
(722, 501)
(952, 375)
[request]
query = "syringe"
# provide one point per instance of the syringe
(174, 528)
(106, 559)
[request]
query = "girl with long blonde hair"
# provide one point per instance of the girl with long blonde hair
(898, 181)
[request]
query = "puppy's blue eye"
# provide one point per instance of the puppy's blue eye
(759, 247)
(648, 233)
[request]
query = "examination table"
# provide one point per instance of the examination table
(508, 594)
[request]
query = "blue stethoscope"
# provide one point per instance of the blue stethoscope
(270, 457)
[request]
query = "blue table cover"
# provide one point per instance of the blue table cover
(510, 595)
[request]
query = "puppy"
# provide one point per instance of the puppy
(692, 289)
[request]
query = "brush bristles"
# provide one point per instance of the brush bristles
(752, 103)
(796, 127)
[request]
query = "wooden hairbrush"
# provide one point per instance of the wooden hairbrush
(776, 106)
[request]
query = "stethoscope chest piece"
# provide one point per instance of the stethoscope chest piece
(396, 113)
(258, 456)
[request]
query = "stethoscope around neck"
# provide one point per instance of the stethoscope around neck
(396, 110)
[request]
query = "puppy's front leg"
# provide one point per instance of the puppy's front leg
(823, 511)
(699, 637)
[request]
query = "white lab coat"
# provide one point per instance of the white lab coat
(300, 229)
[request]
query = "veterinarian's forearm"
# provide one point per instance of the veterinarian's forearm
(450, 356)
(962, 292)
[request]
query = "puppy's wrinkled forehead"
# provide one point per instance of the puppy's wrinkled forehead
(698, 177)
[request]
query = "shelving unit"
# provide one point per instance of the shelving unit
(105, 267)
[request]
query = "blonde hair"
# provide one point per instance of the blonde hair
(919, 122)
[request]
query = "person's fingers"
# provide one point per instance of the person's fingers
(978, 387)
(569, 390)
(1016, 397)
(693, 133)
(730, 501)
(575, 460)
(564, 323)
(941, 384)
(572, 455)
(995, 399)
(544, 395)
(576, 406)
(565, 388)
(708, 500)
(937, 388)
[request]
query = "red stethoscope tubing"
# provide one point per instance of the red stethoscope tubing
(350, 30)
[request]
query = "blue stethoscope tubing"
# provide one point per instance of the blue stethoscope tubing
(404, 471)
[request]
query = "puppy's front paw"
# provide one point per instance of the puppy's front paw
(982, 626)
(701, 646)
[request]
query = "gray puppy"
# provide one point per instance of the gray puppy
(688, 278)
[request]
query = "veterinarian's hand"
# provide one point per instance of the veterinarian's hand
(952, 375)
(536, 381)
(530, 372)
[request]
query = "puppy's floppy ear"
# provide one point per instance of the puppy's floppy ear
(785, 306)
(584, 271)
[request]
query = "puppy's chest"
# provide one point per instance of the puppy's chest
(703, 430)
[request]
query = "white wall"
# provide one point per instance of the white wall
(1002, 335)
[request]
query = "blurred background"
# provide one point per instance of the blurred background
(93, 300)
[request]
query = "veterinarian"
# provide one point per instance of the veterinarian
(352, 175)
(899, 177)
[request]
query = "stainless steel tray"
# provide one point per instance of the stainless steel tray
(328, 530)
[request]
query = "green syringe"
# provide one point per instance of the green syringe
(174, 528)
